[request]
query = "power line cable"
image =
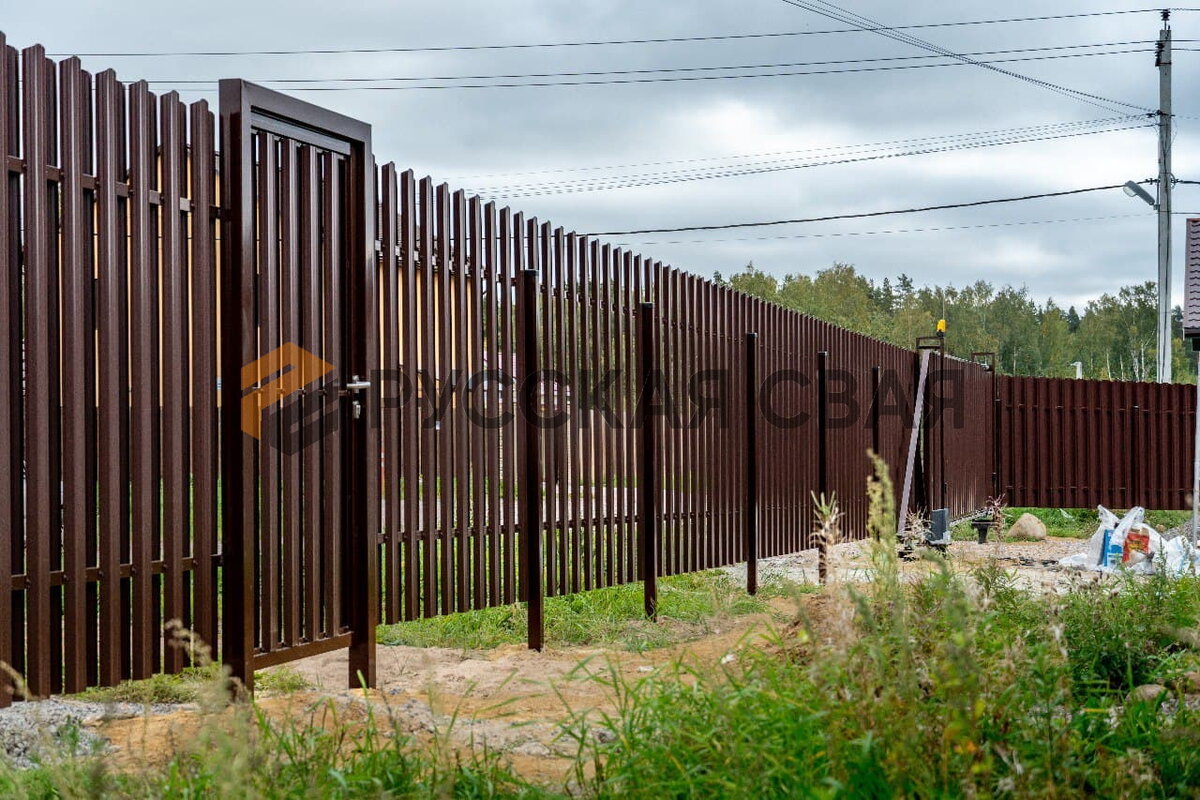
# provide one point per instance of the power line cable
(617, 182)
(831, 11)
(692, 78)
(652, 70)
(864, 215)
(887, 232)
(523, 192)
(983, 139)
(829, 148)
(594, 43)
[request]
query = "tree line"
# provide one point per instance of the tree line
(1113, 336)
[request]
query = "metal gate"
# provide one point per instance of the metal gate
(300, 488)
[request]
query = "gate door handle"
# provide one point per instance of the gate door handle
(357, 384)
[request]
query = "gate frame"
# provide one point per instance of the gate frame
(246, 106)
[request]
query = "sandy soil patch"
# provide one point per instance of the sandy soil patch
(510, 700)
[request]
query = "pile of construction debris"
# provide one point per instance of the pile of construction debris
(1129, 544)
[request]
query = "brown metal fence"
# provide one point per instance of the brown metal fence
(672, 422)
(108, 374)
(299, 478)
(451, 465)
(1078, 444)
(960, 435)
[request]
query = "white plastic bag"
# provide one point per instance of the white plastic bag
(1108, 521)
(1175, 557)
(1179, 557)
(1143, 563)
(1093, 557)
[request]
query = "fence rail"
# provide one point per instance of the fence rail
(110, 326)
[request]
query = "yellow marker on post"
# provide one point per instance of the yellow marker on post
(941, 327)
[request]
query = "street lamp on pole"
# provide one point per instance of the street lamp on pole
(1133, 189)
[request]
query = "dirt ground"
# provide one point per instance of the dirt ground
(508, 699)
(514, 701)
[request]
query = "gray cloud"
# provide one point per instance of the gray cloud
(472, 132)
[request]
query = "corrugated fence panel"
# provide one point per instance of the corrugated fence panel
(203, 420)
(450, 534)
(11, 451)
(1078, 444)
(968, 423)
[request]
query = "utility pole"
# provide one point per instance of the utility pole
(1165, 179)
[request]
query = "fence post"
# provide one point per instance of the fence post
(238, 530)
(647, 494)
(752, 463)
(996, 421)
(823, 455)
(530, 464)
(876, 381)
(1135, 474)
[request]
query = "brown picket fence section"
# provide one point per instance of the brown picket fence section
(108, 371)
(451, 477)
(1079, 443)
(504, 410)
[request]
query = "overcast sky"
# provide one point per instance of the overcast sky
(474, 137)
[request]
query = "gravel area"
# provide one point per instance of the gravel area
(1035, 564)
(41, 730)
(1181, 530)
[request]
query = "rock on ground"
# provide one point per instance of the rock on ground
(1028, 528)
(1146, 693)
(1188, 682)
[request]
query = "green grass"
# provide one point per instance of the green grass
(188, 685)
(1073, 523)
(689, 606)
(948, 687)
(939, 695)
(1117, 640)
(250, 757)
(942, 685)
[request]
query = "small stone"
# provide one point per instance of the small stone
(1146, 693)
(1188, 682)
(536, 749)
(603, 735)
(1028, 528)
